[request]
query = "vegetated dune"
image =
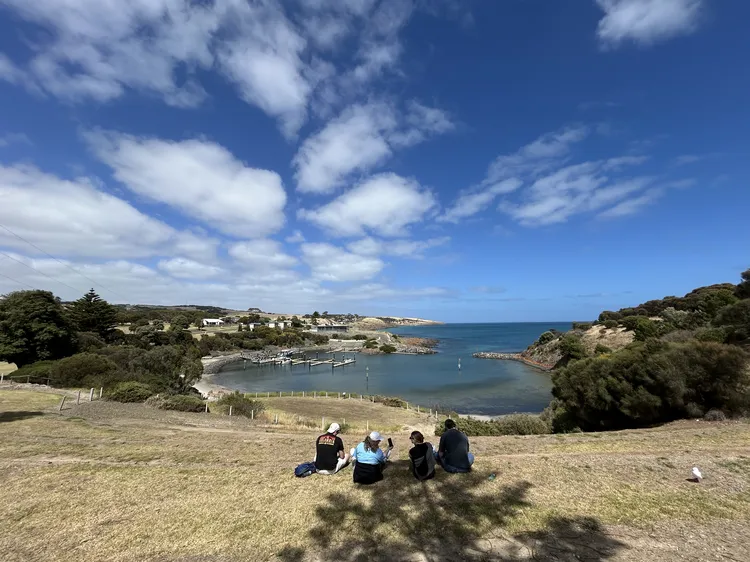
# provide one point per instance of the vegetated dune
(550, 353)
(125, 482)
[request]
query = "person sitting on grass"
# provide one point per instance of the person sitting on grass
(369, 460)
(329, 451)
(422, 457)
(453, 452)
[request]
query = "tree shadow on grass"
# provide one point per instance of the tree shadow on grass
(453, 517)
(17, 416)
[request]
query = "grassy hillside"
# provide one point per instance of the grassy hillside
(124, 482)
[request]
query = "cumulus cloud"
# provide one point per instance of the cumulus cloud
(200, 178)
(413, 249)
(360, 139)
(385, 204)
(189, 269)
(331, 263)
(261, 255)
(76, 218)
(646, 21)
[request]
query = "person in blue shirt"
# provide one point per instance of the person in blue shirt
(369, 459)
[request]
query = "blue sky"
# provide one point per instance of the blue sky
(459, 160)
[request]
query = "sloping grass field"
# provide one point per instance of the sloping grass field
(124, 482)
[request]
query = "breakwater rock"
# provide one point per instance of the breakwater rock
(512, 357)
(212, 365)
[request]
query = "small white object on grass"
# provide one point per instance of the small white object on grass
(697, 474)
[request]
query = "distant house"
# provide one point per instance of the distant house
(213, 322)
(251, 327)
(333, 328)
(272, 324)
(280, 325)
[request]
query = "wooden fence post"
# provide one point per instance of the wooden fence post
(367, 426)
(62, 403)
(91, 395)
(206, 407)
(417, 408)
(279, 394)
(252, 414)
(303, 394)
(101, 391)
(2, 378)
(407, 406)
(292, 394)
(230, 410)
(78, 398)
(256, 394)
(269, 395)
(339, 396)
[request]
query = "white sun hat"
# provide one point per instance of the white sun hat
(375, 436)
(333, 428)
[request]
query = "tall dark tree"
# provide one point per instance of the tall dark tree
(34, 327)
(91, 313)
(743, 289)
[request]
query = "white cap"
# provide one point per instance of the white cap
(333, 428)
(375, 436)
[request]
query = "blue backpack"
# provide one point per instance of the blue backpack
(305, 469)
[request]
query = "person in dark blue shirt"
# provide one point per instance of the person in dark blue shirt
(453, 452)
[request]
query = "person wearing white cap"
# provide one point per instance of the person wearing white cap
(369, 459)
(329, 451)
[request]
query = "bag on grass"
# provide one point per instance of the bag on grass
(305, 469)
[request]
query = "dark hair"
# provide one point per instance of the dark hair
(449, 424)
(417, 436)
(370, 445)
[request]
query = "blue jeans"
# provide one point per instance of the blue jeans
(453, 469)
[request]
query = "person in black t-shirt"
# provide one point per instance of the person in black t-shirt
(422, 457)
(329, 451)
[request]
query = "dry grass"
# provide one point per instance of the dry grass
(7, 368)
(123, 482)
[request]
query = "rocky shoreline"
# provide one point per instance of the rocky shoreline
(513, 357)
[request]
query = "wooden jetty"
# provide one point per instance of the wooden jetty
(344, 362)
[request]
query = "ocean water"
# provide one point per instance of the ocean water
(480, 386)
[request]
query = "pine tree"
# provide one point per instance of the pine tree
(91, 313)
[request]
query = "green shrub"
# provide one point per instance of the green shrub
(516, 424)
(89, 341)
(715, 415)
(718, 335)
(371, 344)
(609, 315)
(183, 403)
(241, 406)
(391, 401)
(359, 337)
(546, 337)
(582, 325)
(387, 348)
(611, 324)
(129, 391)
(334, 336)
(85, 369)
(602, 349)
(653, 382)
(572, 347)
(37, 373)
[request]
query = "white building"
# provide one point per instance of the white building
(280, 325)
(213, 322)
(272, 324)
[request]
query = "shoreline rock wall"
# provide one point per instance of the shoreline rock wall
(513, 357)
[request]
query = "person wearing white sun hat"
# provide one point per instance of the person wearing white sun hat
(329, 451)
(369, 459)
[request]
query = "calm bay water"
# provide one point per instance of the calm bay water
(481, 386)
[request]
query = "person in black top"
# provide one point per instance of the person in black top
(453, 451)
(422, 457)
(329, 451)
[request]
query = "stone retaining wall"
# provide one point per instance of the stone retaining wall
(513, 357)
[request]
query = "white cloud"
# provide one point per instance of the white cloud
(200, 178)
(646, 21)
(505, 172)
(261, 255)
(414, 249)
(631, 206)
(189, 269)
(354, 141)
(74, 218)
(264, 60)
(331, 263)
(295, 238)
(14, 138)
(361, 138)
(385, 204)
(472, 202)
